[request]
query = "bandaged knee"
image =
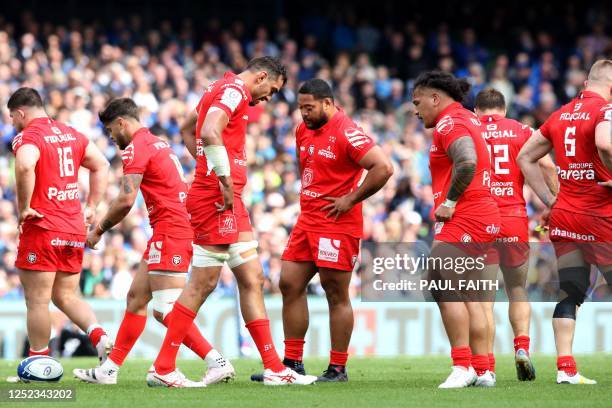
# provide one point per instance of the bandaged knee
(163, 300)
(574, 282)
(203, 258)
(242, 252)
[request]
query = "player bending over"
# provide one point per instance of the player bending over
(150, 165)
(581, 214)
(465, 212)
(215, 136)
(332, 153)
(48, 155)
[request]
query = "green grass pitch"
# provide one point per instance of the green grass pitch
(374, 382)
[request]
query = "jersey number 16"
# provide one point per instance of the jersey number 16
(66, 164)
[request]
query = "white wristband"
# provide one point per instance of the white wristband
(217, 160)
(449, 203)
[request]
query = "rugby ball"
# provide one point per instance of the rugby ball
(40, 369)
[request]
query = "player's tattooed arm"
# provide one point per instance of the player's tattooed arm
(121, 206)
(188, 129)
(536, 147)
(463, 154)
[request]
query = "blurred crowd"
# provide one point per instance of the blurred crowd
(77, 67)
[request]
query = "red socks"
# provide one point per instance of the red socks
(492, 362)
(338, 358)
(260, 332)
(193, 339)
(521, 342)
(480, 362)
(130, 330)
(43, 352)
(179, 324)
(95, 334)
(294, 349)
(462, 356)
(567, 364)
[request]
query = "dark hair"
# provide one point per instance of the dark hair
(271, 65)
(119, 107)
(318, 88)
(490, 99)
(24, 97)
(445, 82)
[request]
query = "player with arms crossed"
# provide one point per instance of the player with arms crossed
(150, 165)
(581, 215)
(48, 155)
(215, 136)
(465, 212)
(333, 153)
(504, 138)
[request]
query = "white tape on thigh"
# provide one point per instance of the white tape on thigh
(171, 274)
(203, 258)
(236, 250)
(163, 300)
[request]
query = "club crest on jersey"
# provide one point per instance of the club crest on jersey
(31, 257)
(356, 137)
(127, 156)
(227, 224)
(176, 259)
(307, 177)
(311, 150)
(466, 237)
(445, 125)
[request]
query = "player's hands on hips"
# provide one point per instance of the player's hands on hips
(93, 238)
(338, 205)
(444, 213)
(545, 217)
(26, 215)
(90, 216)
(227, 189)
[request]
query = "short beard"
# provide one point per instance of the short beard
(318, 124)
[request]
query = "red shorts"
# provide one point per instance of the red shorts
(592, 235)
(326, 250)
(168, 253)
(513, 241)
(50, 251)
(213, 228)
(476, 236)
